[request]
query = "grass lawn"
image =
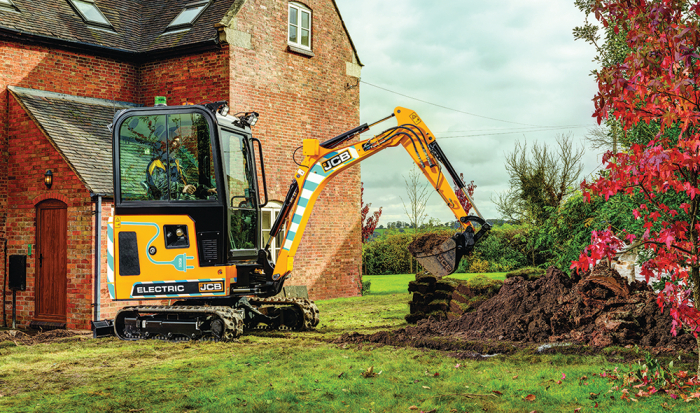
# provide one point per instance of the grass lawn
(306, 372)
(398, 283)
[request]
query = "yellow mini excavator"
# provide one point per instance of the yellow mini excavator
(187, 210)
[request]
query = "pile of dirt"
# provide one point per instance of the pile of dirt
(598, 309)
(17, 337)
(444, 298)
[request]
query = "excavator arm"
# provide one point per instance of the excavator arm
(322, 161)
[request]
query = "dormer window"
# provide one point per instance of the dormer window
(189, 14)
(7, 5)
(299, 27)
(89, 12)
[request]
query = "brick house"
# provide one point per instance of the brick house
(69, 65)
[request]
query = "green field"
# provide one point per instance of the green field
(308, 372)
(398, 283)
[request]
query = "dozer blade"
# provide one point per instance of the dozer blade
(440, 260)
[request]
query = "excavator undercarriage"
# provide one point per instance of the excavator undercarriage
(186, 321)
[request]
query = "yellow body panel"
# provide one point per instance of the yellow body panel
(169, 272)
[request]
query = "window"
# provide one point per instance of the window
(7, 5)
(166, 158)
(299, 26)
(269, 215)
(89, 12)
(188, 15)
(239, 176)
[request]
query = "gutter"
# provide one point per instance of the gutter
(110, 52)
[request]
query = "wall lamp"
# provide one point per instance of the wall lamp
(48, 178)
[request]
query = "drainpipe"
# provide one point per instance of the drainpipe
(98, 255)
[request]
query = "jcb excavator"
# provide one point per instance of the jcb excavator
(187, 209)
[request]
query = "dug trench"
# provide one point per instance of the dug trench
(556, 312)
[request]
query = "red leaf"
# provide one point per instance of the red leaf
(530, 397)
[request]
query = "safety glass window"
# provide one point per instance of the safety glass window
(166, 158)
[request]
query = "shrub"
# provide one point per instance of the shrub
(479, 265)
(365, 287)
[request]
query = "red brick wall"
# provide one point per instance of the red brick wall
(304, 97)
(30, 155)
(195, 78)
(26, 155)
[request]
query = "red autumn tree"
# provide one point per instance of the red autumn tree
(657, 83)
(369, 222)
(470, 187)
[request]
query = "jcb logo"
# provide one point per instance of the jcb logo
(414, 117)
(336, 160)
(211, 287)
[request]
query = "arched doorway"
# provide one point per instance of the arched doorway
(51, 261)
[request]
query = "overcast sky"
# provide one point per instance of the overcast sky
(511, 60)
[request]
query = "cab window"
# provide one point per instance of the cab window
(166, 158)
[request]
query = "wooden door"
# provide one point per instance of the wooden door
(51, 261)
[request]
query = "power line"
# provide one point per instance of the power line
(455, 110)
(510, 133)
(522, 129)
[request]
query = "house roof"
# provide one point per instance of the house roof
(138, 25)
(77, 128)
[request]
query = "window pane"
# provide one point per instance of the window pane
(267, 219)
(141, 140)
(190, 158)
(166, 158)
(90, 11)
(293, 16)
(305, 20)
(293, 34)
(304, 37)
(187, 16)
(265, 237)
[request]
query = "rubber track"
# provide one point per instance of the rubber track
(307, 307)
(231, 317)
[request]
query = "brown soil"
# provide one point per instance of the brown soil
(31, 337)
(426, 242)
(599, 309)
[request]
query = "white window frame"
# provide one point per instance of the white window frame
(107, 25)
(300, 8)
(204, 4)
(274, 208)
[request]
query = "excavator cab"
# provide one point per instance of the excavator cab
(186, 202)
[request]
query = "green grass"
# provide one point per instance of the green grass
(398, 283)
(307, 372)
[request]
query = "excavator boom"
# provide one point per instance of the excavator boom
(322, 161)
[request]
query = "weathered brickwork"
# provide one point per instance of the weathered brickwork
(302, 97)
(195, 78)
(297, 97)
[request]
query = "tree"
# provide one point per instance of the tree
(369, 223)
(540, 181)
(418, 196)
(654, 88)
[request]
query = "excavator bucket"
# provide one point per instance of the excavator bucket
(441, 259)
(440, 255)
